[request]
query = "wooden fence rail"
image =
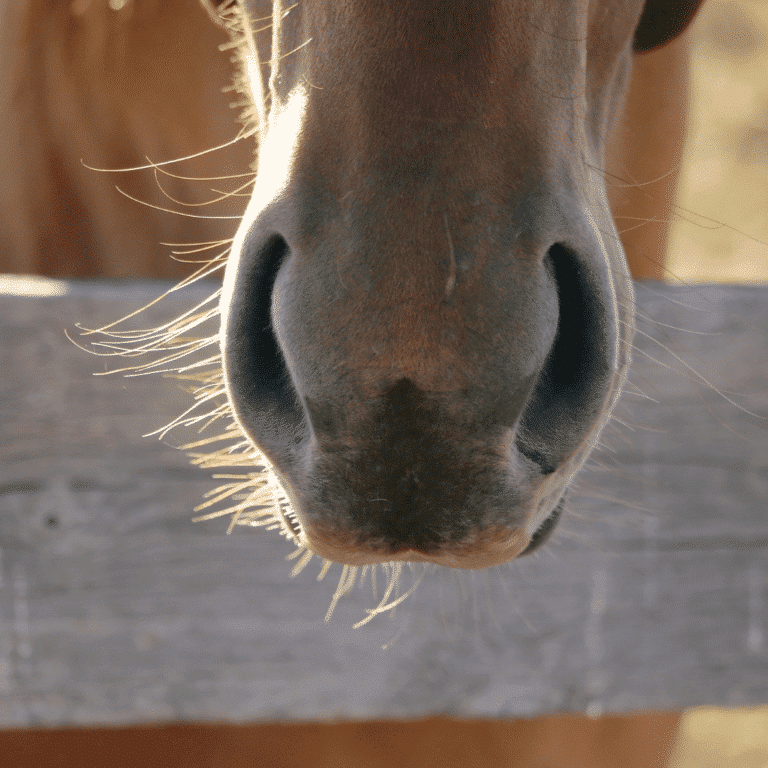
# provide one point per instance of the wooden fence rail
(116, 608)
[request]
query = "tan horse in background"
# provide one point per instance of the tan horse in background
(114, 89)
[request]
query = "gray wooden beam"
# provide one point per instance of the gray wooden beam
(116, 608)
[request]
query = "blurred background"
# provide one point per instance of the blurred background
(721, 229)
(720, 234)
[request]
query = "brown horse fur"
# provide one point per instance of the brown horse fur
(86, 85)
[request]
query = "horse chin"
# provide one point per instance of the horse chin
(485, 551)
(449, 559)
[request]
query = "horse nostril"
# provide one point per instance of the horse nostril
(258, 380)
(271, 366)
(575, 356)
(250, 339)
(576, 375)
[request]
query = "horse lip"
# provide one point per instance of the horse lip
(333, 514)
(493, 550)
(303, 521)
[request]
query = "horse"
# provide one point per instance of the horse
(426, 314)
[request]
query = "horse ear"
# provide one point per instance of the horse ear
(216, 8)
(662, 21)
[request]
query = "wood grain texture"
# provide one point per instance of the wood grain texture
(115, 608)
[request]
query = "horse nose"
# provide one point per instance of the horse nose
(421, 328)
(403, 425)
(422, 346)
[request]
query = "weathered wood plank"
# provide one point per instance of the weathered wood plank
(115, 608)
